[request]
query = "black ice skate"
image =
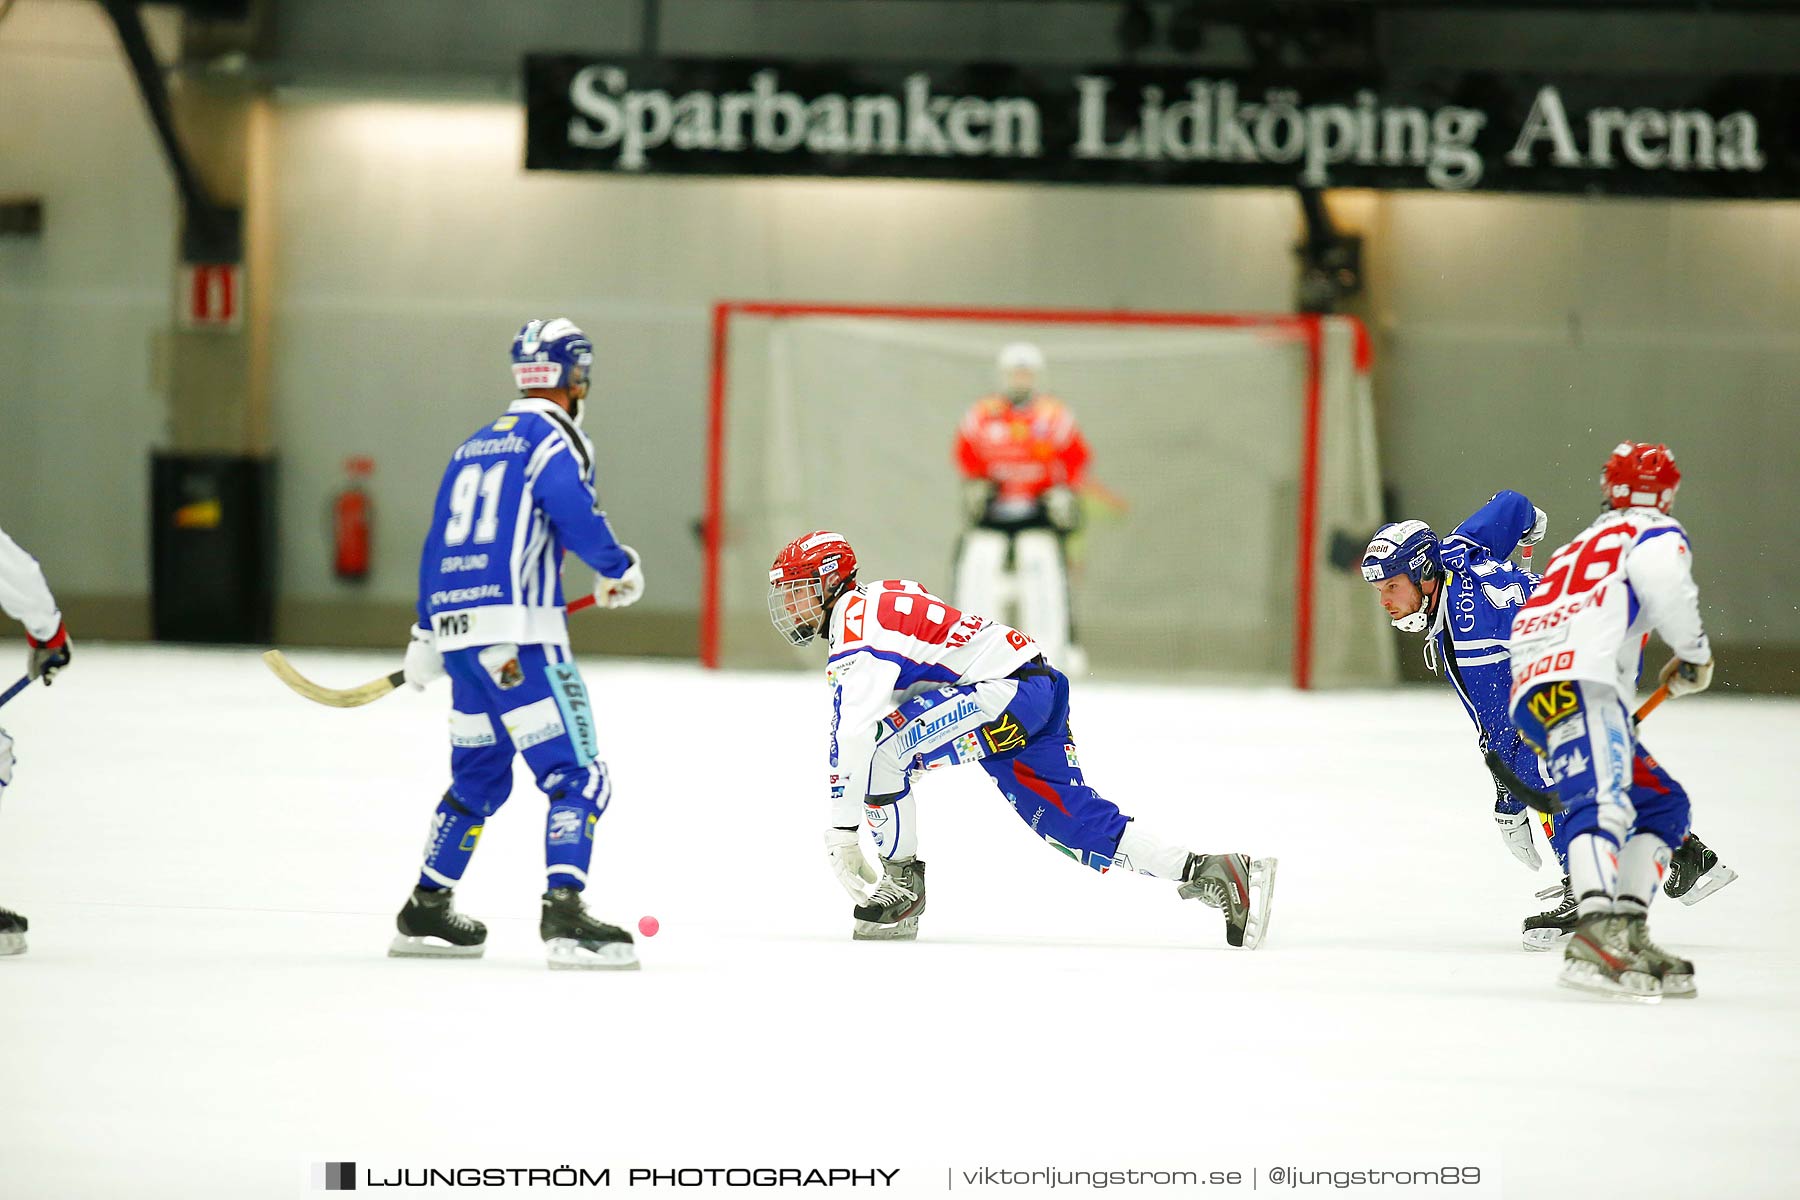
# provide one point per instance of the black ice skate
(430, 927)
(892, 911)
(1238, 884)
(1547, 930)
(1677, 974)
(1695, 872)
(575, 941)
(12, 933)
(1599, 959)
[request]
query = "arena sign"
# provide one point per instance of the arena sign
(1726, 136)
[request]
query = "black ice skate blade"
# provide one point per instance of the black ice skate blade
(12, 945)
(431, 947)
(902, 931)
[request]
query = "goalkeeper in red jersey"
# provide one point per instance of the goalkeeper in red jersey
(1023, 459)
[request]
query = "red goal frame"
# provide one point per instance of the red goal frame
(1303, 327)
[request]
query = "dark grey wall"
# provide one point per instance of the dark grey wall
(485, 37)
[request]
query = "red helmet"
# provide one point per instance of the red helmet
(1640, 475)
(808, 576)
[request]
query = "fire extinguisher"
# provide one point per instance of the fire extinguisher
(350, 520)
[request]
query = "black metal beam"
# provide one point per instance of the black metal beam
(211, 232)
(1223, 9)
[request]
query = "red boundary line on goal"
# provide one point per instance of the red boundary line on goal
(1303, 325)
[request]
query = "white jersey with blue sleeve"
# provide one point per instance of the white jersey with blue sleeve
(891, 641)
(24, 594)
(1628, 573)
(517, 494)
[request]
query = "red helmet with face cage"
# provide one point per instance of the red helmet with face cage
(809, 574)
(1640, 475)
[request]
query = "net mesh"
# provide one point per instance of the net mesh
(1187, 561)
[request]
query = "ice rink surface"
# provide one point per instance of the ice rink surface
(211, 866)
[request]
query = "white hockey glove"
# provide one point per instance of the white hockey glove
(1515, 831)
(6, 759)
(1063, 508)
(1686, 678)
(623, 591)
(424, 665)
(1535, 534)
(848, 864)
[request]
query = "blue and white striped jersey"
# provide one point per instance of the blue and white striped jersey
(516, 495)
(1473, 624)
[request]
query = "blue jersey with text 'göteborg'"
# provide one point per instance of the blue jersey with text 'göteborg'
(516, 494)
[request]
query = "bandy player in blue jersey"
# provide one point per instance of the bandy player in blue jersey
(517, 494)
(1462, 593)
(917, 685)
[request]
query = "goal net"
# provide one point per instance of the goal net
(1232, 455)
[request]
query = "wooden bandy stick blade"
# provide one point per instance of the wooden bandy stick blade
(354, 697)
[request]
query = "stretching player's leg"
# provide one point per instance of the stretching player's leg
(553, 723)
(1045, 785)
(1018, 731)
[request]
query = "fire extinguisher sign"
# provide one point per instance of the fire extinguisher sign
(212, 296)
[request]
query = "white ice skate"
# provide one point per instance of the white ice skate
(1242, 886)
(892, 911)
(1599, 960)
(1676, 973)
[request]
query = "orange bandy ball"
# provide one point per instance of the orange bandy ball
(648, 926)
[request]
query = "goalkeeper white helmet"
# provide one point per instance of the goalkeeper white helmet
(1021, 369)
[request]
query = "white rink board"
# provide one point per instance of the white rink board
(211, 865)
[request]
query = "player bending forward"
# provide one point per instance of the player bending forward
(26, 598)
(916, 685)
(1461, 593)
(1577, 647)
(515, 494)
